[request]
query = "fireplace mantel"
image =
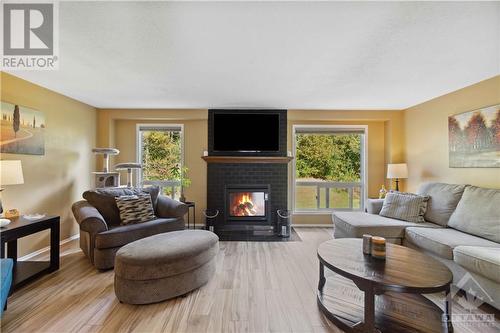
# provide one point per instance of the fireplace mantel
(247, 159)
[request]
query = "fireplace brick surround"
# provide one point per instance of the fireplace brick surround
(221, 175)
(264, 174)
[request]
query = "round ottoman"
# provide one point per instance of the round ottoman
(163, 266)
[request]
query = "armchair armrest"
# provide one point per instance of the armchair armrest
(88, 217)
(374, 206)
(167, 207)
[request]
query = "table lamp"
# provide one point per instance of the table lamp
(11, 173)
(397, 172)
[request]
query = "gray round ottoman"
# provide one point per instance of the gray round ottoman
(163, 266)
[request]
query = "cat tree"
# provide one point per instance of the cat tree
(105, 178)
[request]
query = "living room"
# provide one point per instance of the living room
(251, 166)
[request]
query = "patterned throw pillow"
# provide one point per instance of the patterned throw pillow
(135, 208)
(405, 206)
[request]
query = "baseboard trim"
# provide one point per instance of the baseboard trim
(47, 248)
(317, 225)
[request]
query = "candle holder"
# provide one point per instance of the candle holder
(378, 247)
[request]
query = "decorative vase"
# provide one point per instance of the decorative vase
(382, 193)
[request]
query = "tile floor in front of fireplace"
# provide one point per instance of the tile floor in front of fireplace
(258, 287)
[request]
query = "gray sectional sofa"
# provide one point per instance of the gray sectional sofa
(461, 229)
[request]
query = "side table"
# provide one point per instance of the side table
(191, 204)
(26, 271)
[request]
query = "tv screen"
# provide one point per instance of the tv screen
(246, 132)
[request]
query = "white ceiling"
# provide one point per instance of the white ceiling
(319, 55)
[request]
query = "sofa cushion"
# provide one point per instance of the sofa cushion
(478, 213)
(103, 200)
(484, 261)
(405, 206)
(356, 224)
(124, 234)
(442, 241)
(443, 200)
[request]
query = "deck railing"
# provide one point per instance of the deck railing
(323, 190)
(169, 185)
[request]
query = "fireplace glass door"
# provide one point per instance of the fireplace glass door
(247, 204)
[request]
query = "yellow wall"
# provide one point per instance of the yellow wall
(117, 127)
(426, 130)
(54, 181)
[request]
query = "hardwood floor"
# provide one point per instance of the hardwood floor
(258, 287)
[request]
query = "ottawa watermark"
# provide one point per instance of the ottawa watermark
(474, 297)
(30, 35)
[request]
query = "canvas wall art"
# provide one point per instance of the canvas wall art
(474, 138)
(22, 130)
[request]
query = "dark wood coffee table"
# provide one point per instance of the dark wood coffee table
(372, 295)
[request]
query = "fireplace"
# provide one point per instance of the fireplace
(246, 184)
(247, 203)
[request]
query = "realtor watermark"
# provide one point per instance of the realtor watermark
(30, 35)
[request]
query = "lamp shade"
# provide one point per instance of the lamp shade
(11, 173)
(399, 170)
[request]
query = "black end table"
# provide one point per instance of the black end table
(190, 205)
(26, 271)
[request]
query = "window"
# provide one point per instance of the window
(160, 151)
(329, 168)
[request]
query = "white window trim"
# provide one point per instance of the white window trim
(364, 164)
(138, 150)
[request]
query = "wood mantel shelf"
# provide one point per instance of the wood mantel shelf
(247, 159)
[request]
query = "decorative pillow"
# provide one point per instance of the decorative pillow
(135, 208)
(103, 199)
(405, 206)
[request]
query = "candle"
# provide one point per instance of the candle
(378, 247)
(367, 244)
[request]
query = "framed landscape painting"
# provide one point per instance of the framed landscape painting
(22, 130)
(474, 138)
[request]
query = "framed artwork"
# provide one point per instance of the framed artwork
(474, 138)
(22, 130)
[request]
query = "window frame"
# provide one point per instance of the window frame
(364, 164)
(138, 141)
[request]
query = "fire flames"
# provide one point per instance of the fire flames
(243, 205)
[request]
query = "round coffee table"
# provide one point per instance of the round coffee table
(373, 295)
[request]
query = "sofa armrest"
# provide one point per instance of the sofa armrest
(167, 207)
(88, 217)
(374, 206)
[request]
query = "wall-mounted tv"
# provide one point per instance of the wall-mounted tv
(244, 131)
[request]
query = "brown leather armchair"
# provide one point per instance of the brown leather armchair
(100, 237)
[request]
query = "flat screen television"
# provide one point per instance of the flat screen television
(246, 132)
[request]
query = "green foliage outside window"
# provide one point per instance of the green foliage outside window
(329, 157)
(161, 155)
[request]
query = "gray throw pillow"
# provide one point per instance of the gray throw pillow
(135, 208)
(405, 206)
